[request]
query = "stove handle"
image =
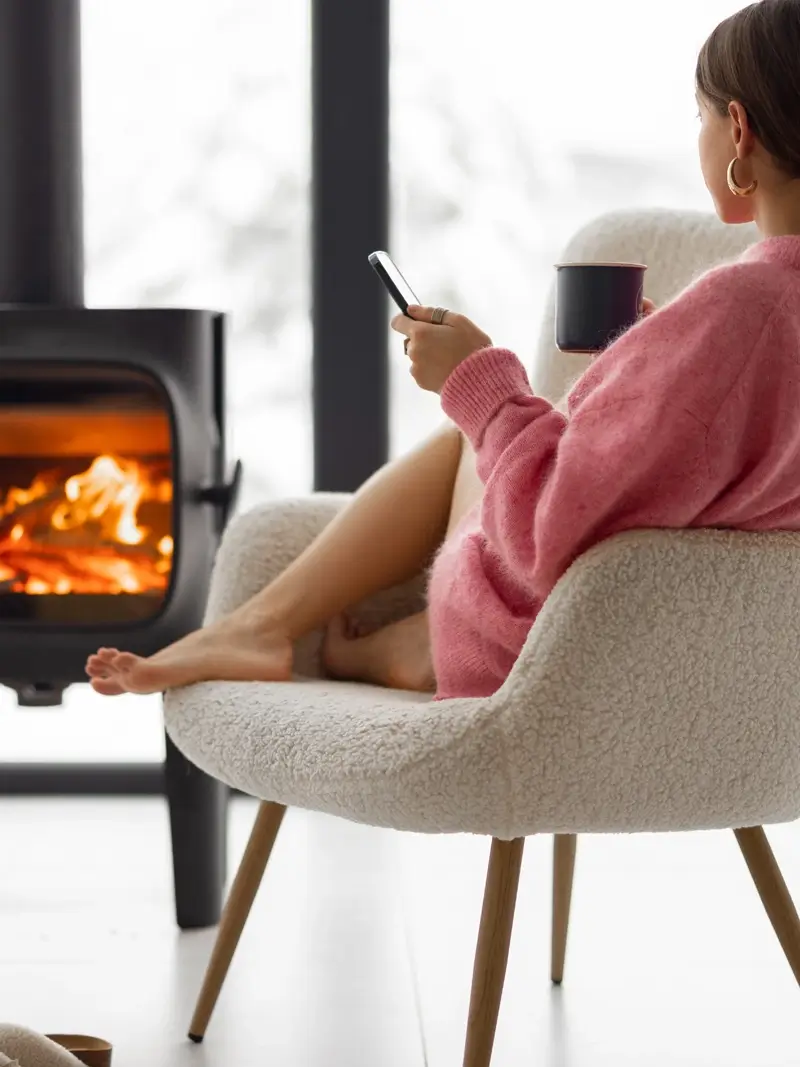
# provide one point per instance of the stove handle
(223, 495)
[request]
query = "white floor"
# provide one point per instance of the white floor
(358, 952)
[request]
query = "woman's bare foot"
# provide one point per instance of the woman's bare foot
(397, 656)
(228, 651)
(100, 674)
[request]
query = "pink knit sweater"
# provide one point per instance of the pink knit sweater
(692, 419)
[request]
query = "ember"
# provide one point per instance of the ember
(84, 533)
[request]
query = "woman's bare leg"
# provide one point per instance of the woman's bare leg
(407, 505)
(399, 655)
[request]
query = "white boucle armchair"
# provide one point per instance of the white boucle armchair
(659, 690)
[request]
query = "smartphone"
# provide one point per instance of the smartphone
(399, 289)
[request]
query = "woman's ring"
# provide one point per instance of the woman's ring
(437, 318)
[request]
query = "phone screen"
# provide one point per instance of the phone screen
(399, 289)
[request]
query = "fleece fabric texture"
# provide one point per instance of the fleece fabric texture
(689, 420)
(657, 690)
(21, 1047)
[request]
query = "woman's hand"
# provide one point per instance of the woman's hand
(648, 307)
(436, 351)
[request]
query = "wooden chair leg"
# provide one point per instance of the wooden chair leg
(237, 908)
(773, 892)
(564, 846)
(491, 954)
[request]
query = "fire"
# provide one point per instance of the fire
(83, 533)
(107, 494)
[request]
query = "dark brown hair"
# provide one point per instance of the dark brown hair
(754, 57)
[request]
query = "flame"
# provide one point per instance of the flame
(107, 493)
(18, 497)
(82, 534)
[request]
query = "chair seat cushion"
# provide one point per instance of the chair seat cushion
(369, 754)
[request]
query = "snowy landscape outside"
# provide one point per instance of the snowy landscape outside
(512, 124)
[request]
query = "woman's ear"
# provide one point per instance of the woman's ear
(743, 138)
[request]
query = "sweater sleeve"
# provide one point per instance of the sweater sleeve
(555, 485)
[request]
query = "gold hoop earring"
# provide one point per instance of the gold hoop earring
(733, 185)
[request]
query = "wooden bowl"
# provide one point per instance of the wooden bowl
(92, 1051)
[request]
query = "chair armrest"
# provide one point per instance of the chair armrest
(658, 687)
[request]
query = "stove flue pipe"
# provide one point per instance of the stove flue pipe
(41, 187)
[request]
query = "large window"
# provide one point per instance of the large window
(515, 122)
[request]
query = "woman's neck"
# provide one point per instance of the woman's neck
(778, 211)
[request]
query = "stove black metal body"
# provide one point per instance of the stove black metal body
(113, 488)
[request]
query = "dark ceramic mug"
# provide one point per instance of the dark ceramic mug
(595, 303)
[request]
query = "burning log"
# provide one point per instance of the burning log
(70, 571)
(36, 510)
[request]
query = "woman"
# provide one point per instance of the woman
(692, 419)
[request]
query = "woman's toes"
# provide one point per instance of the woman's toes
(106, 688)
(126, 661)
(337, 647)
(96, 667)
(358, 628)
(338, 629)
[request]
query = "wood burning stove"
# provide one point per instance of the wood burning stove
(113, 492)
(112, 495)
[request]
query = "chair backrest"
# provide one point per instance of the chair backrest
(659, 688)
(676, 246)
